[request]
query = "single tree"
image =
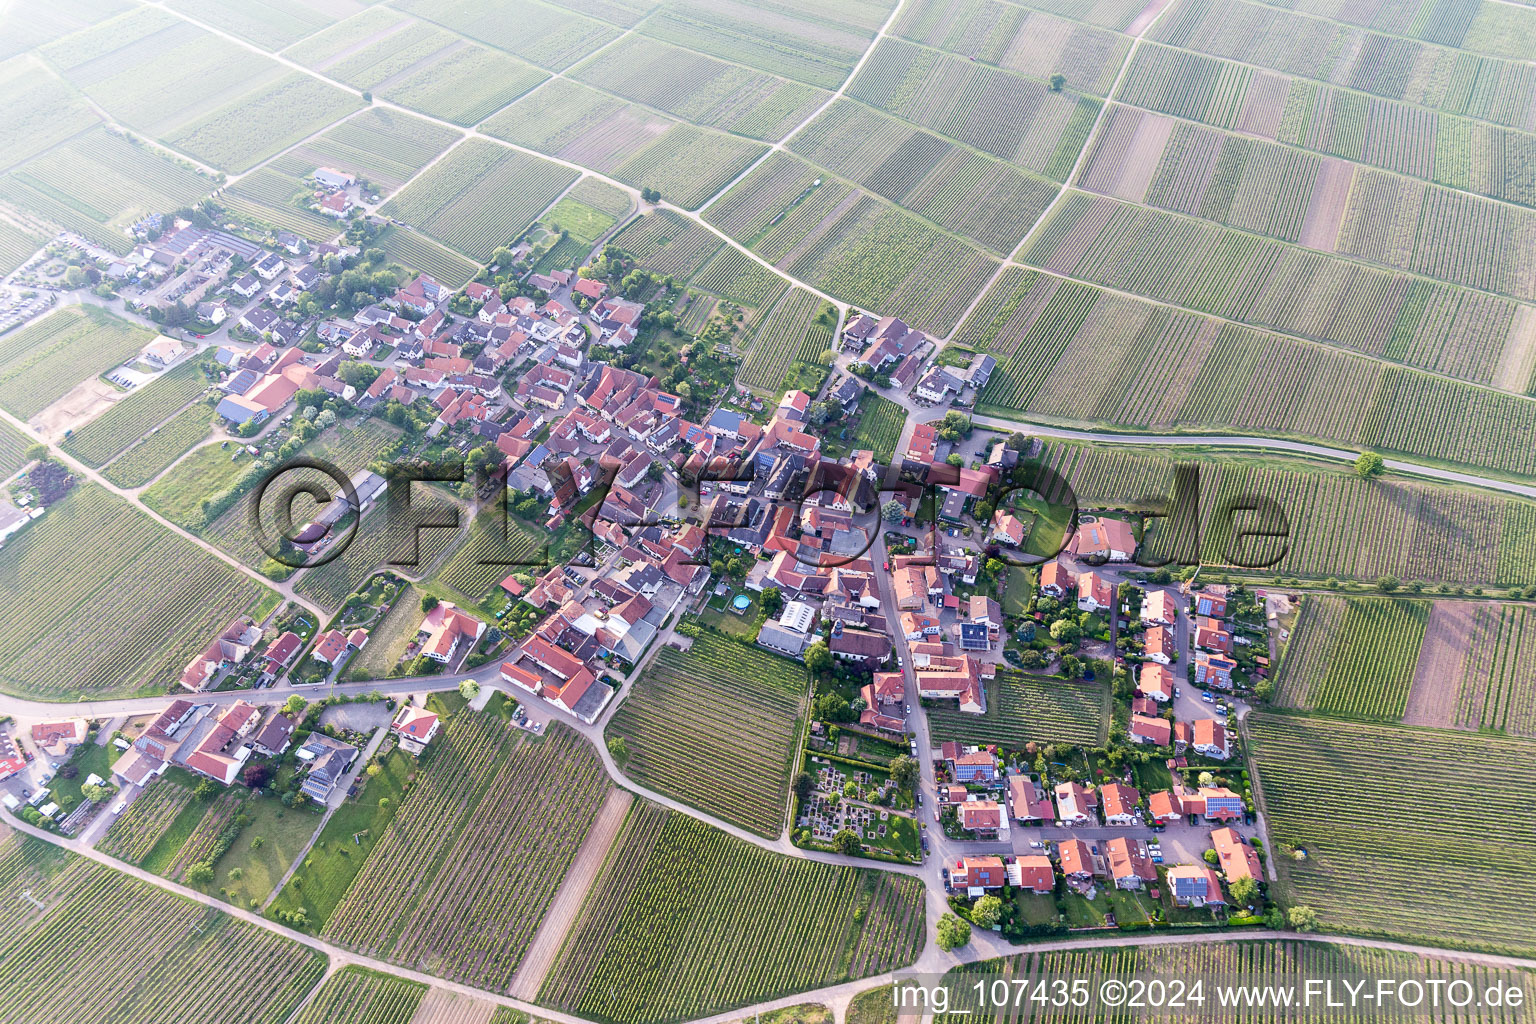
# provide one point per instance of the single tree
(987, 911)
(1058, 81)
(1245, 891)
(818, 657)
(804, 785)
(1369, 464)
(953, 932)
(1387, 584)
(469, 689)
(1302, 918)
(1211, 856)
(892, 511)
(905, 772)
(200, 873)
(846, 842)
(256, 775)
(619, 749)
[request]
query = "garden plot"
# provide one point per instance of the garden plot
(1022, 708)
(1015, 118)
(480, 196)
(49, 357)
(624, 140)
(38, 111)
(270, 24)
(98, 184)
(245, 974)
(126, 422)
(986, 200)
(156, 73)
(539, 33)
(688, 921)
(716, 727)
(1448, 636)
(854, 245)
(1379, 810)
(819, 49)
(499, 816)
(1127, 153)
(90, 559)
(668, 244)
(357, 995)
(1029, 42)
(1356, 660)
(703, 90)
(384, 146)
(419, 66)
(167, 443)
(264, 121)
(796, 329)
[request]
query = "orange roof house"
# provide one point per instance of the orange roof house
(1112, 540)
(1036, 873)
(1146, 729)
(446, 627)
(978, 873)
(1076, 860)
(1119, 803)
(1237, 858)
(981, 816)
(1129, 863)
(414, 728)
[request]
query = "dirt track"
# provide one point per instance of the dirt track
(441, 1006)
(572, 892)
(1325, 211)
(1442, 660)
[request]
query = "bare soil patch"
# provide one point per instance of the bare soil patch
(1442, 662)
(562, 912)
(81, 404)
(441, 1006)
(1142, 157)
(1325, 210)
(1517, 363)
(1144, 19)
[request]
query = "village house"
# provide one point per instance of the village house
(1158, 644)
(1095, 592)
(1030, 804)
(977, 874)
(977, 766)
(983, 818)
(1148, 730)
(1077, 860)
(1194, 885)
(445, 628)
(57, 739)
(1033, 873)
(328, 760)
(1130, 866)
(1056, 580)
(1214, 671)
(1160, 608)
(1109, 540)
(1119, 802)
(1076, 805)
(1237, 858)
(414, 728)
(219, 754)
(228, 649)
(1155, 682)
(1211, 739)
(1008, 529)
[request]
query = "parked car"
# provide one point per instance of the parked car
(1037, 845)
(1206, 696)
